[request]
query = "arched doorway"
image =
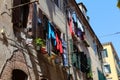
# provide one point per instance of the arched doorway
(19, 75)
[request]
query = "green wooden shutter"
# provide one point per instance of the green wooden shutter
(73, 55)
(101, 75)
(78, 61)
(74, 60)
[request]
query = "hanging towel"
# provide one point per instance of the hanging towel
(70, 26)
(59, 44)
(70, 23)
(74, 17)
(80, 25)
(61, 49)
(65, 58)
(51, 33)
(51, 37)
(65, 54)
(80, 34)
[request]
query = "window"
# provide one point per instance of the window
(60, 4)
(75, 57)
(19, 17)
(95, 47)
(104, 53)
(57, 2)
(76, 60)
(107, 68)
(84, 64)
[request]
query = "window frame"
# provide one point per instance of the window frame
(107, 66)
(57, 3)
(76, 60)
(104, 53)
(60, 4)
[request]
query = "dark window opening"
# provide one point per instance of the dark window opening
(83, 60)
(56, 2)
(19, 16)
(44, 24)
(19, 75)
(24, 13)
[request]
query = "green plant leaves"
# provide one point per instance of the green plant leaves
(39, 41)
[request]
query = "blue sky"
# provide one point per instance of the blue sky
(104, 20)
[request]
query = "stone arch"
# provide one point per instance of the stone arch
(16, 62)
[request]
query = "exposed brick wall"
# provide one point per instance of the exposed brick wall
(17, 61)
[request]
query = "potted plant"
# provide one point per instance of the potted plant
(39, 43)
(89, 75)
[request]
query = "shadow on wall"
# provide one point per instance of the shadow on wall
(44, 64)
(51, 8)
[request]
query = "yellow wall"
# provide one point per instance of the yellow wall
(111, 61)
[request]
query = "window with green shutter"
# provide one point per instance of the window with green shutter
(101, 75)
(75, 55)
(76, 60)
(104, 53)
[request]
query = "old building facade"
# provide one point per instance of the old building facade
(18, 55)
(47, 40)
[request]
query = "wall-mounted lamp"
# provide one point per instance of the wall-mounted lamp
(2, 31)
(5, 41)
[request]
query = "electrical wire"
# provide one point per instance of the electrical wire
(109, 35)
